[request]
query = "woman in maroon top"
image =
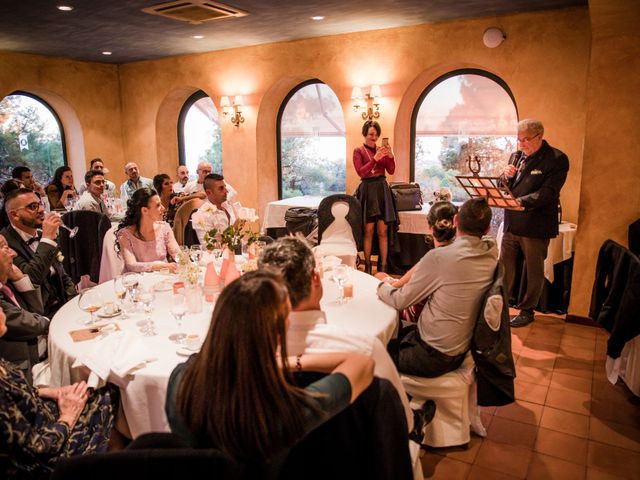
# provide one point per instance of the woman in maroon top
(378, 206)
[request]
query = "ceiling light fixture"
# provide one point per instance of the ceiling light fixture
(493, 37)
(64, 8)
(317, 18)
(198, 37)
(107, 53)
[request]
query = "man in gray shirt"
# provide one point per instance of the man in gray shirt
(454, 280)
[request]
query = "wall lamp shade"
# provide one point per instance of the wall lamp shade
(224, 101)
(356, 93)
(375, 92)
(238, 101)
(234, 110)
(493, 37)
(370, 101)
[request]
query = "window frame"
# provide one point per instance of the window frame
(182, 116)
(429, 88)
(35, 97)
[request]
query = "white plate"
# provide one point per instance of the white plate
(110, 315)
(185, 352)
(163, 286)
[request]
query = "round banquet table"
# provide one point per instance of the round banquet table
(143, 392)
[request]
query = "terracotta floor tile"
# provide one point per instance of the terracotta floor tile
(573, 367)
(544, 467)
(481, 473)
(530, 392)
(537, 353)
(436, 466)
(535, 361)
(617, 434)
(626, 414)
(509, 459)
(467, 455)
(551, 319)
(618, 393)
(576, 353)
(503, 430)
(577, 402)
(486, 419)
(580, 342)
(595, 474)
(521, 411)
(542, 346)
(561, 445)
(613, 460)
(533, 375)
(566, 422)
(549, 338)
(563, 381)
(583, 331)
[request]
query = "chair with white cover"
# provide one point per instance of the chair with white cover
(456, 406)
(340, 227)
(111, 264)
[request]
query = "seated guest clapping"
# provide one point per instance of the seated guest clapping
(216, 212)
(32, 235)
(237, 395)
(40, 426)
(453, 280)
(146, 242)
(171, 200)
(91, 199)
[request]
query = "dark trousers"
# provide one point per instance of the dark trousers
(414, 356)
(534, 251)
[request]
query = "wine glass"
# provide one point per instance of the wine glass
(178, 310)
(90, 301)
(196, 254)
(120, 291)
(341, 277)
(69, 203)
(147, 297)
(130, 281)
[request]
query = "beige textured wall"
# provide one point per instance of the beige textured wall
(544, 61)
(609, 196)
(86, 98)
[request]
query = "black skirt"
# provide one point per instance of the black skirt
(377, 201)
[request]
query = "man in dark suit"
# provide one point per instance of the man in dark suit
(22, 305)
(37, 254)
(535, 174)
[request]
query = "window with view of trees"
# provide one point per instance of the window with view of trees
(199, 133)
(312, 142)
(462, 115)
(31, 135)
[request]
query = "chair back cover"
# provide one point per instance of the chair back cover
(353, 217)
(183, 214)
(82, 253)
(111, 263)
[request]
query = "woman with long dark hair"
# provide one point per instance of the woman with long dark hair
(170, 200)
(237, 394)
(61, 188)
(146, 242)
(378, 206)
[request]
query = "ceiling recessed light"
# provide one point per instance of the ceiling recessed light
(198, 37)
(64, 8)
(106, 53)
(317, 18)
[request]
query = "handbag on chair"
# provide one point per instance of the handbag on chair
(408, 196)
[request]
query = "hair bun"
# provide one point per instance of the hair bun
(443, 223)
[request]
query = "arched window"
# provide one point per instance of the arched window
(30, 134)
(199, 138)
(466, 112)
(311, 142)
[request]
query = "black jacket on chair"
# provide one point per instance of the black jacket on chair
(82, 253)
(354, 217)
(491, 349)
(615, 299)
(538, 189)
(56, 288)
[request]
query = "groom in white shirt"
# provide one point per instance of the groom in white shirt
(216, 212)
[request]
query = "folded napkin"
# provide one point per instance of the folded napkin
(331, 338)
(119, 353)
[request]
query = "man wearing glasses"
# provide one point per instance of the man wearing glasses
(32, 235)
(535, 174)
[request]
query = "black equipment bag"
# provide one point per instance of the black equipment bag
(408, 196)
(301, 219)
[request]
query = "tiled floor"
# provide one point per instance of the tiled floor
(568, 421)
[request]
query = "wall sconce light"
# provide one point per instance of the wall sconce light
(233, 110)
(370, 101)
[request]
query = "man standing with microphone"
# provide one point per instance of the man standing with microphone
(535, 175)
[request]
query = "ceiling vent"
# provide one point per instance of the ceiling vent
(195, 11)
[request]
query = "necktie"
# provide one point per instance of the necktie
(7, 291)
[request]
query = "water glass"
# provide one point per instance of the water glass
(178, 310)
(341, 277)
(146, 297)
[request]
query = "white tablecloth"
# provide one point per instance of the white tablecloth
(560, 248)
(143, 394)
(410, 222)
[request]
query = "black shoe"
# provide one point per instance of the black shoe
(367, 267)
(421, 418)
(523, 319)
